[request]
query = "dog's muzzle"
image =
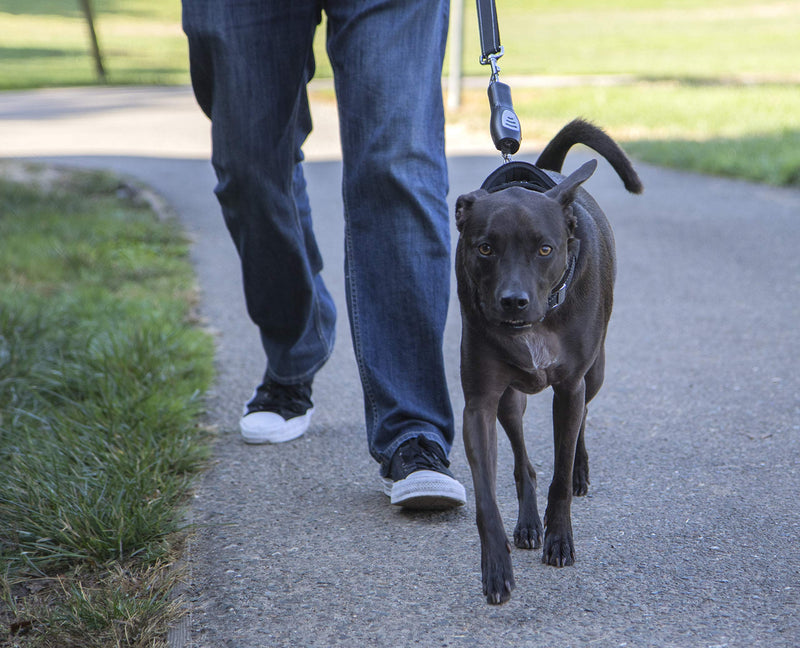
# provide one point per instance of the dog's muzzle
(513, 304)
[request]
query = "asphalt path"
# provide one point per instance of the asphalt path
(690, 533)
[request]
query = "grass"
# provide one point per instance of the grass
(45, 43)
(713, 87)
(101, 380)
(744, 131)
(773, 158)
(662, 39)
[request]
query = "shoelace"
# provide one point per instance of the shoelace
(282, 398)
(424, 454)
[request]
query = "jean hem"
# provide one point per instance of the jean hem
(301, 378)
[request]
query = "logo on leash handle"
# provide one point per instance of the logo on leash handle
(509, 120)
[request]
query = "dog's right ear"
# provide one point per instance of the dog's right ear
(463, 205)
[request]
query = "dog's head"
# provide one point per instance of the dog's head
(513, 250)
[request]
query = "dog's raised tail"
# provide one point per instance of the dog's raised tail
(579, 131)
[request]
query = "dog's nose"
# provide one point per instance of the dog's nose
(514, 301)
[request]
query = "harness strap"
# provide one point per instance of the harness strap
(517, 173)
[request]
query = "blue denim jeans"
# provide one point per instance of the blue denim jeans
(250, 63)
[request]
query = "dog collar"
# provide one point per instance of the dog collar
(558, 296)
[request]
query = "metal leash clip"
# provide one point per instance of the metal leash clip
(491, 59)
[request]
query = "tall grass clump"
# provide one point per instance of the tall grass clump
(102, 372)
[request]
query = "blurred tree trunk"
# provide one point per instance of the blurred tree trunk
(86, 5)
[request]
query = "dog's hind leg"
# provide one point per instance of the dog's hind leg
(569, 407)
(529, 531)
(580, 470)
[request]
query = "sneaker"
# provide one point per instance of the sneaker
(277, 413)
(419, 478)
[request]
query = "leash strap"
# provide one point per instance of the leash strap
(504, 124)
(489, 30)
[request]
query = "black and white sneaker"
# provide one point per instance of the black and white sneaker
(277, 413)
(419, 477)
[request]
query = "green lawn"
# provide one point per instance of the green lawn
(675, 39)
(45, 43)
(744, 131)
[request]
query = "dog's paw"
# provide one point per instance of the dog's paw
(580, 481)
(580, 474)
(559, 550)
(529, 536)
(498, 577)
(497, 588)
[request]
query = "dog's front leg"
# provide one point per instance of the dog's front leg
(568, 408)
(480, 442)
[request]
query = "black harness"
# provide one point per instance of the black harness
(518, 174)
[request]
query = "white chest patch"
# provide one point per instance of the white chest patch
(539, 352)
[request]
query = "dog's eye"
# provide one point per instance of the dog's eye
(545, 250)
(484, 249)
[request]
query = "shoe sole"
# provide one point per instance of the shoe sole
(425, 490)
(259, 435)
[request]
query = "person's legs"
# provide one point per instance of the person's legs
(250, 62)
(387, 57)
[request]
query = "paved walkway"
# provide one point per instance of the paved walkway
(689, 535)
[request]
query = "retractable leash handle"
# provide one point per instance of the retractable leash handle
(503, 124)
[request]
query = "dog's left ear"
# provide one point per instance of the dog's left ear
(463, 204)
(564, 192)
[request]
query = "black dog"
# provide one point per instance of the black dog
(535, 272)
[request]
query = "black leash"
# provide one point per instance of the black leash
(504, 123)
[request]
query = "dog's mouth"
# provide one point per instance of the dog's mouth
(516, 325)
(510, 325)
